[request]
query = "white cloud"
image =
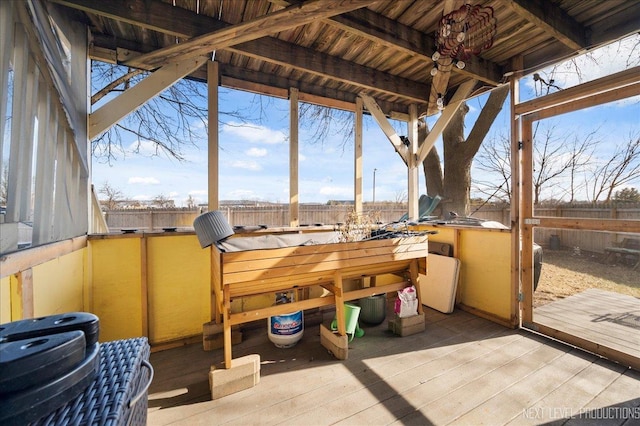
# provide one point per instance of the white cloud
(242, 194)
(247, 165)
(253, 133)
(198, 192)
(143, 197)
(256, 152)
(340, 191)
(145, 148)
(143, 180)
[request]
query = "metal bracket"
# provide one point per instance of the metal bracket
(530, 221)
(520, 145)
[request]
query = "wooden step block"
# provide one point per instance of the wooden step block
(408, 325)
(243, 374)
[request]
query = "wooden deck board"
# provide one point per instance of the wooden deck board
(461, 370)
(609, 319)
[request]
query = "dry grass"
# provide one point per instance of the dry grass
(565, 273)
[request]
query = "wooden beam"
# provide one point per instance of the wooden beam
(106, 50)
(394, 35)
(272, 23)
(308, 60)
(464, 90)
(386, 127)
(553, 20)
(165, 18)
(149, 14)
(294, 194)
(572, 94)
(602, 98)
(611, 225)
(116, 109)
(12, 263)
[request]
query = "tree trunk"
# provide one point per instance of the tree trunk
(455, 184)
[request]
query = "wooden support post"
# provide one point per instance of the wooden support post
(517, 64)
(414, 274)
(357, 159)
(525, 213)
(227, 326)
(342, 329)
(294, 196)
(412, 178)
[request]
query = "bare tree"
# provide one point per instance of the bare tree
(111, 196)
(555, 160)
(191, 202)
(495, 158)
(621, 168)
(171, 120)
(163, 202)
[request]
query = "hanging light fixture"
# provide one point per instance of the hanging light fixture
(464, 33)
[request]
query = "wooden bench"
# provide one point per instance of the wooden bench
(629, 248)
(250, 272)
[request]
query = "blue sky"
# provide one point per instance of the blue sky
(254, 160)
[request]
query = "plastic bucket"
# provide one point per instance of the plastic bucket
(373, 309)
(351, 314)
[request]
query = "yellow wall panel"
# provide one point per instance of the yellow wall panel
(58, 285)
(178, 282)
(485, 265)
(485, 271)
(116, 287)
(5, 300)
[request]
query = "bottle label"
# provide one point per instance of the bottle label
(286, 325)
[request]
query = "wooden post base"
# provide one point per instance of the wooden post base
(336, 344)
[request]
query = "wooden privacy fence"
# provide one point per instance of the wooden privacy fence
(594, 241)
(278, 215)
(272, 215)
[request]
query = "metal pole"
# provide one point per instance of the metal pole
(374, 188)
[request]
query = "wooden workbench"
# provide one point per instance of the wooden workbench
(240, 271)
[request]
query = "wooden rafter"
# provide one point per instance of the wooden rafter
(290, 17)
(153, 15)
(461, 94)
(553, 20)
(308, 60)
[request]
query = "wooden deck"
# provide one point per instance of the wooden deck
(461, 370)
(608, 319)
